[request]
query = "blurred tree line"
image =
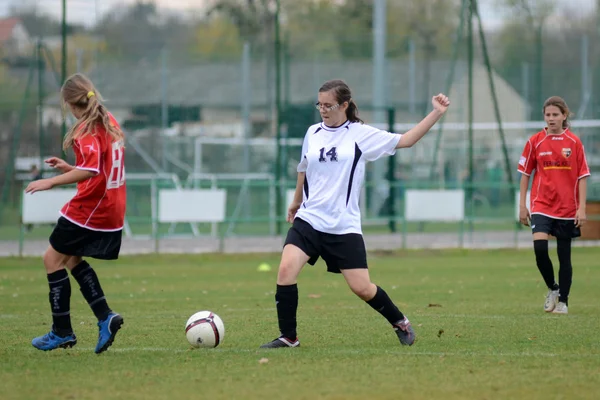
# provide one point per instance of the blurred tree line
(537, 49)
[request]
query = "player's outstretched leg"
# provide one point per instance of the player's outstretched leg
(382, 303)
(109, 322)
(378, 299)
(61, 335)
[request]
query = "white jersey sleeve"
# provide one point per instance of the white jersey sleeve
(303, 164)
(375, 143)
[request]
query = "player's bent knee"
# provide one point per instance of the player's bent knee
(365, 291)
(53, 260)
(73, 261)
(288, 273)
(540, 236)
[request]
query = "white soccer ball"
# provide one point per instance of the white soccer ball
(205, 329)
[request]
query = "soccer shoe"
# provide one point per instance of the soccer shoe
(551, 300)
(51, 341)
(561, 308)
(405, 332)
(107, 331)
(281, 342)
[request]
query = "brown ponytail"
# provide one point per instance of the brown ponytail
(352, 112)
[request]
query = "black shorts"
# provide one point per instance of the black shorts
(338, 251)
(559, 228)
(73, 240)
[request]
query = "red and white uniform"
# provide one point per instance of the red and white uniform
(559, 163)
(100, 201)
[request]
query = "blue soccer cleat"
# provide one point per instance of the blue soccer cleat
(51, 341)
(107, 331)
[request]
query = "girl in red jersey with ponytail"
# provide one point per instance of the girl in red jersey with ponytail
(558, 197)
(91, 223)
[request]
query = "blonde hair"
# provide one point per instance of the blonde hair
(562, 106)
(79, 92)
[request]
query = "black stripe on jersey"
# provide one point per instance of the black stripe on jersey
(306, 187)
(334, 128)
(357, 155)
(318, 129)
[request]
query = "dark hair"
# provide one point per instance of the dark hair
(562, 105)
(342, 94)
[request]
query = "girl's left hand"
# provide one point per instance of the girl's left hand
(580, 218)
(440, 102)
(39, 185)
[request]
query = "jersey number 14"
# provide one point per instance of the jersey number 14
(332, 154)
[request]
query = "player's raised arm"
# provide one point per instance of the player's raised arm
(440, 106)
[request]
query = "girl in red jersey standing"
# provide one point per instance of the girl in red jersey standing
(558, 197)
(91, 223)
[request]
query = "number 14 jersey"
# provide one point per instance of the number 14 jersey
(100, 201)
(334, 160)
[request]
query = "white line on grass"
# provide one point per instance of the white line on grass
(340, 352)
(413, 315)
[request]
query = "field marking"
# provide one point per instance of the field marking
(414, 316)
(339, 352)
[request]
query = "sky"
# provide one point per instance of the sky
(92, 10)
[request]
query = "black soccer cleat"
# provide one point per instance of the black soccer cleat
(281, 342)
(405, 332)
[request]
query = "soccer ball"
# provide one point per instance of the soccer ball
(205, 329)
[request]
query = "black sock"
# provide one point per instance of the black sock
(544, 264)
(91, 289)
(565, 273)
(384, 305)
(60, 302)
(286, 299)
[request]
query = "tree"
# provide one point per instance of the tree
(531, 15)
(39, 24)
(304, 26)
(135, 32)
(216, 38)
(433, 25)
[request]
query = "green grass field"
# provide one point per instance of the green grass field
(481, 331)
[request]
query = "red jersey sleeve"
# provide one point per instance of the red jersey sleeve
(89, 148)
(583, 169)
(527, 162)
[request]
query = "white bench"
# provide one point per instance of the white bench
(434, 205)
(44, 207)
(425, 205)
(191, 206)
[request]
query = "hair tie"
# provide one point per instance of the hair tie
(90, 94)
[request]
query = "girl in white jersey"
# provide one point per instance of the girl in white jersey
(325, 212)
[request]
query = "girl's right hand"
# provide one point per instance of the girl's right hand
(294, 207)
(524, 216)
(59, 164)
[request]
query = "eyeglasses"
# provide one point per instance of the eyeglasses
(320, 107)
